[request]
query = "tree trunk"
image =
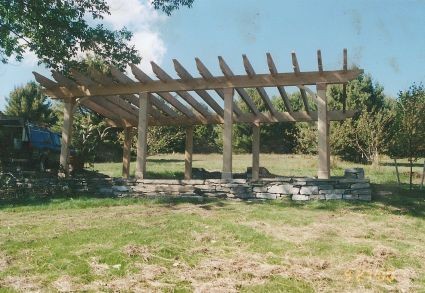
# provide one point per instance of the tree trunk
(411, 173)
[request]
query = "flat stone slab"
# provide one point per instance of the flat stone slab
(360, 185)
(282, 188)
(333, 196)
(307, 190)
(265, 195)
(300, 197)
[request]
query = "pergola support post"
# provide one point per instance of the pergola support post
(188, 153)
(68, 119)
(323, 132)
(227, 134)
(126, 158)
(255, 151)
(142, 134)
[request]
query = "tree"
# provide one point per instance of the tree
(408, 130)
(31, 104)
(57, 31)
(367, 97)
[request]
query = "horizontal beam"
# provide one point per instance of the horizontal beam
(263, 117)
(221, 82)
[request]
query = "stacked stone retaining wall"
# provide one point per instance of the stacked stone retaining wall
(266, 188)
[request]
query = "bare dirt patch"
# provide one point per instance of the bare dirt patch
(21, 283)
(65, 284)
(141, 251)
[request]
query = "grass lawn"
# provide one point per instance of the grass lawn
(184, 245)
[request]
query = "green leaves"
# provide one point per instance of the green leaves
(58, 32)
(30, 103)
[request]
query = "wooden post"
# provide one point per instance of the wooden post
(255, 151)
(323, 132)
(142, 134)
(126, 153)
(68, 118)
(188, 153)
(227, 134)
(396, 171)
(423, 176)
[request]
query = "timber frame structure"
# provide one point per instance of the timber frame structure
(141, 102)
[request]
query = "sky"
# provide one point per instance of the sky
(385, 38)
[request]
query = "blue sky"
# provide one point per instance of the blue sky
(386, 38)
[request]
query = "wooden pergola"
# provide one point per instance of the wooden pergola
(143, 102)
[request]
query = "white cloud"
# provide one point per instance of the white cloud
(142, 19)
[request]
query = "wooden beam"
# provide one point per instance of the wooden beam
(144, 78)
(235, 81)
(185, 75)
(162, 75)
(323, 133)
(159, 104)
(188, 154)
(281, 89)
(126, 152)
(142, 135)
(206, 74)
(319, 61)
(255, 151)
(90, 103)
(228, 73)
(68, 118)
(119, 106)
(227, 134)
(261, 91)
(297, 71)
(344, 86)
(251, 118)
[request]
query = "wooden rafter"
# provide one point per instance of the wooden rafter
(92, 104)
(281, 89)
(242, 93)
(261, 91)
(344, 86)
(185, 75)
(297, 71)
(206, 74)
(162, 75)
(120, 106)
(159, 104)
(144, 78)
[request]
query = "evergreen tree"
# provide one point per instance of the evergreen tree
(30, 103)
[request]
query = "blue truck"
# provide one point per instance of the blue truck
(28, 145)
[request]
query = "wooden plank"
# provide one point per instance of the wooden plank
(162, 75)
(323, 133)
(319, 61)
(185, 75)
(281, 89)
(250, 118)
(344, 86)
(188, 153)
(228, 73)
(297, 71)
(142, 135)
(261, 91)
(68, 118)
(144, 78)
(255, 151)
(206, 74)
(114, 103)
(91, 103)
(227, 134)
(159, 104)
(126, 152)
(236, 81)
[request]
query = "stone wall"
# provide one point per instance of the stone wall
(267, 188)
